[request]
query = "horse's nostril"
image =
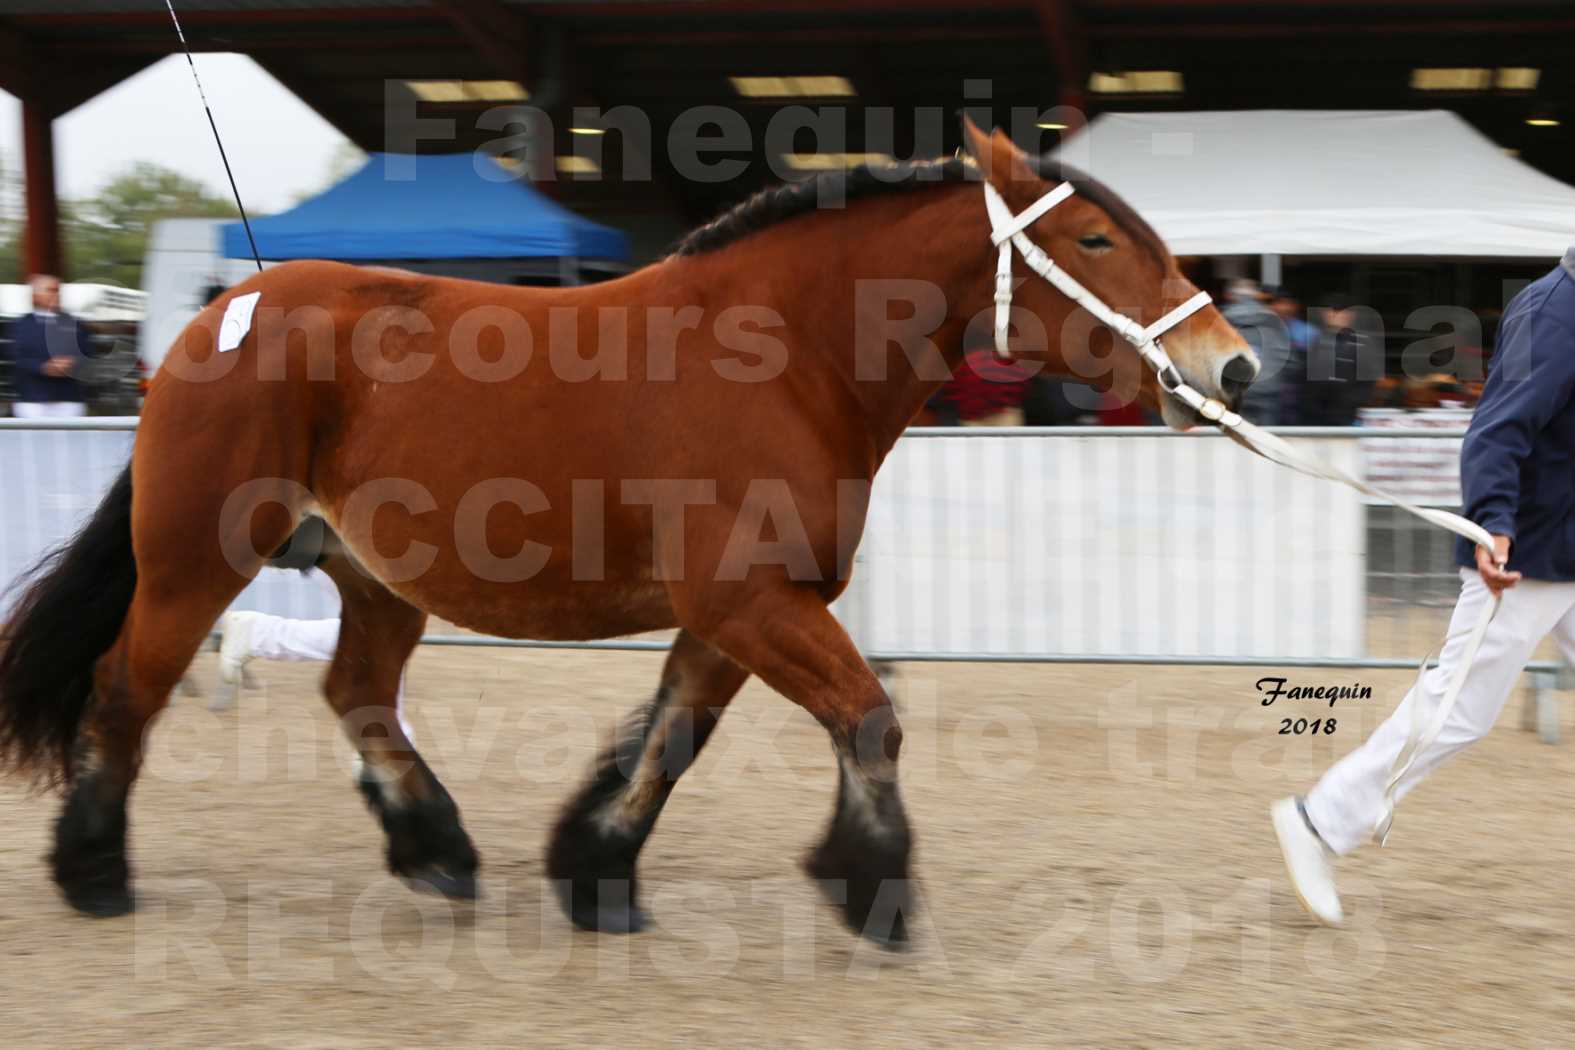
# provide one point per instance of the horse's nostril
(1237, 375)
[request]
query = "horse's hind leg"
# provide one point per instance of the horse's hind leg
(171, 545)
(427, 845)
(592, 854)
(168, 620)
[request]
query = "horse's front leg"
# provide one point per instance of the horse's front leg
(785, 634)
(592, 854)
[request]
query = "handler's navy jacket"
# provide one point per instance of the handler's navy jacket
(1517, 470)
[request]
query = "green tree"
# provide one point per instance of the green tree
(11, 255)
(106, 235)
(10, 221)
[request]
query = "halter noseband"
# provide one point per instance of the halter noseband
(1008, 231)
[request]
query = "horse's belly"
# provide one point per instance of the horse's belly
(459, 577)
(582, 610)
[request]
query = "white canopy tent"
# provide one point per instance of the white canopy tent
(1330, 182)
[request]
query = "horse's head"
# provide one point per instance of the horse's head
(1099, 241)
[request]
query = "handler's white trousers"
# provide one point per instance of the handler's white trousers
(1348, 802)
(277, 638)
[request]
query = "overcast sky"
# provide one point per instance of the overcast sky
(277, 145)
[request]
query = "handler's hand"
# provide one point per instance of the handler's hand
(58, 366)
(1490, 563)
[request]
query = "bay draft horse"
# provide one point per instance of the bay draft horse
(662, 456)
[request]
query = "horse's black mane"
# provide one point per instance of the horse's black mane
(776, 203)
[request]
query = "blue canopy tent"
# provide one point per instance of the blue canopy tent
(405, 207)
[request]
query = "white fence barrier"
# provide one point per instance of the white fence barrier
(1070, 543)
(1089, 542)
(52, 476)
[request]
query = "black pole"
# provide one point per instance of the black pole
(245, 221)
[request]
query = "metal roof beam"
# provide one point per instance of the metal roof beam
(1063, 33)
(157, 16)
(495, 31)
(1417, 27)
(351, 122)
(15, 60)
(87, 80)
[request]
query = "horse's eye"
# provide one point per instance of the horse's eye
(1095, 242)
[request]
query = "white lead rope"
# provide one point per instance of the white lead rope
(1424, 729)
(1008, 231)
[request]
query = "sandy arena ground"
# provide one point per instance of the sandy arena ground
(1097, 864)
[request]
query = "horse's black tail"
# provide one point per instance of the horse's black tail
(74, 603)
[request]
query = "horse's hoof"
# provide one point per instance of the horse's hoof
(894, 938)
(855, 896)
(613, 916)
(102, 904)
(434, 880)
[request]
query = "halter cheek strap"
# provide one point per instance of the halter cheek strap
(1008, 231)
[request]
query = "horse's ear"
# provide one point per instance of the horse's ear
(975, 142)
(997, 156)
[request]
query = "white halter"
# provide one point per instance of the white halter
(1007, 231)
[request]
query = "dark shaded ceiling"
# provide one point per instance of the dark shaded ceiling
(349, 59)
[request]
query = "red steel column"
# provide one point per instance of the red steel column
(42, 252)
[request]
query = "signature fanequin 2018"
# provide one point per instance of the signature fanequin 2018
(1272, 689)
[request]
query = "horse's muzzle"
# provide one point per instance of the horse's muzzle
(1236, 375)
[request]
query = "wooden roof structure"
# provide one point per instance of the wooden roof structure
(903, 69)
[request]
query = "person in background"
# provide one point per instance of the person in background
(1303, 335)
(1265, 332)
(1053, 402)
(1389, 392)
(986, 391)
(938, 411)
(1337, 379)
(46, 349)
(1288, 308)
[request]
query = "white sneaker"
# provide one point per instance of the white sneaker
(1309, 861)
(235, 650)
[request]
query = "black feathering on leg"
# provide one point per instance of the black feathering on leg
(866, 871)
(427, 844)
(863, 863)
(89, 859)
(593, 866)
